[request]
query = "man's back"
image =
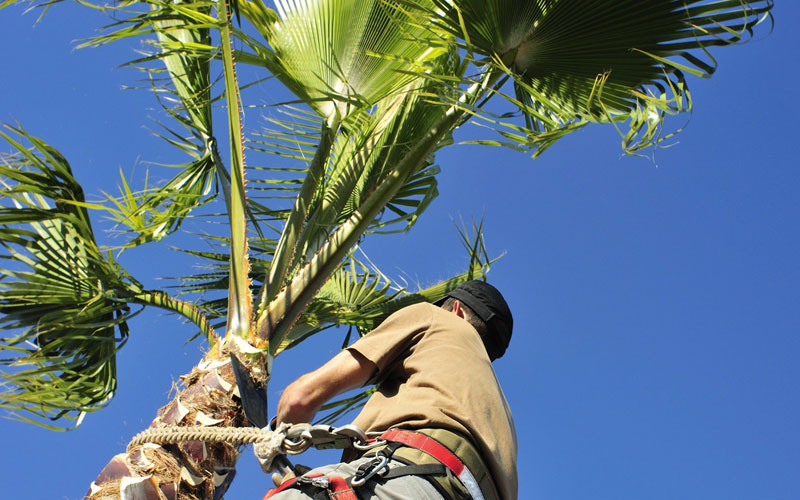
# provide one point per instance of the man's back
(433, 371)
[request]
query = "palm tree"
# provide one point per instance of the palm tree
(380, 87)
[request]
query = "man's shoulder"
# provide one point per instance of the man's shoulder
(418, 310)
(409, 318)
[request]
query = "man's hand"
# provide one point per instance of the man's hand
(304, 397)
(278, 478)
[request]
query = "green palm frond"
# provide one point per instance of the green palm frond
(183, 42)
(290, 142)
(240, 304)
(291, 135)
(331, 73)
(181, 82)
(57, 300)
(577, 62)
(410, 202)
(355, 288)
(63, 322)
(179, 37)
(325, 52)
(64, 303)
(288, 242)
(405, 121)
(152, 213)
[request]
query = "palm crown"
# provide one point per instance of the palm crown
(380, 86)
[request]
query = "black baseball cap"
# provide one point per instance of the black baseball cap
(490, 306)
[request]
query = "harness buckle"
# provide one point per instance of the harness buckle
(364, 475)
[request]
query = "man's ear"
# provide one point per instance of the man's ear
(458, 309)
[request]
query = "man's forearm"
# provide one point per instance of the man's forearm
(303, 398)
(297, 403)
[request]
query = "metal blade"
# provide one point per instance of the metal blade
(254, 399)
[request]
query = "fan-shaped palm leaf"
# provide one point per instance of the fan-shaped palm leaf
(63, 302)
(57, 298)
(329, 53)
(576, 62)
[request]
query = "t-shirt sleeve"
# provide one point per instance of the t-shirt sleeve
(393, 339)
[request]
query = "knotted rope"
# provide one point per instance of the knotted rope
(286, 439)
(236, 436)
(267, 444)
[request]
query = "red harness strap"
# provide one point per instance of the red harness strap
(340, 490)
(337, 487)
(438, 451)
(428, 445)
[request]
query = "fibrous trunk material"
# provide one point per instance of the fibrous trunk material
(191, 470)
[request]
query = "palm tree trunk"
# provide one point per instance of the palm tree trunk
(190, 470)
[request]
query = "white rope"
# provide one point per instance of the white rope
(287, 439)
(174, 434)
(267, 444)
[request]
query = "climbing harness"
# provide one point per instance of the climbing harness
(431, 453)
(428, 457)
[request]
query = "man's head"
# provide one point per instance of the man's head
(486, 310)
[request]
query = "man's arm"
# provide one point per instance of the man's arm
(302, 399)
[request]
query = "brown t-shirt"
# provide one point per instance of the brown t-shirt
(433, 371)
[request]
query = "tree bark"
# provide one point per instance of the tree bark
(187, 471)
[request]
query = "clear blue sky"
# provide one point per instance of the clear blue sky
(656, 301)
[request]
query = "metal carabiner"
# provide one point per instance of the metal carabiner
(369, 445)
(383, 463)
(353, 432)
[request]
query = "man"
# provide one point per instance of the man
(435, 382)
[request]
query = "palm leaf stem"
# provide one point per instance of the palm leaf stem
(187, 310)
(287, 245)
(239, 297)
